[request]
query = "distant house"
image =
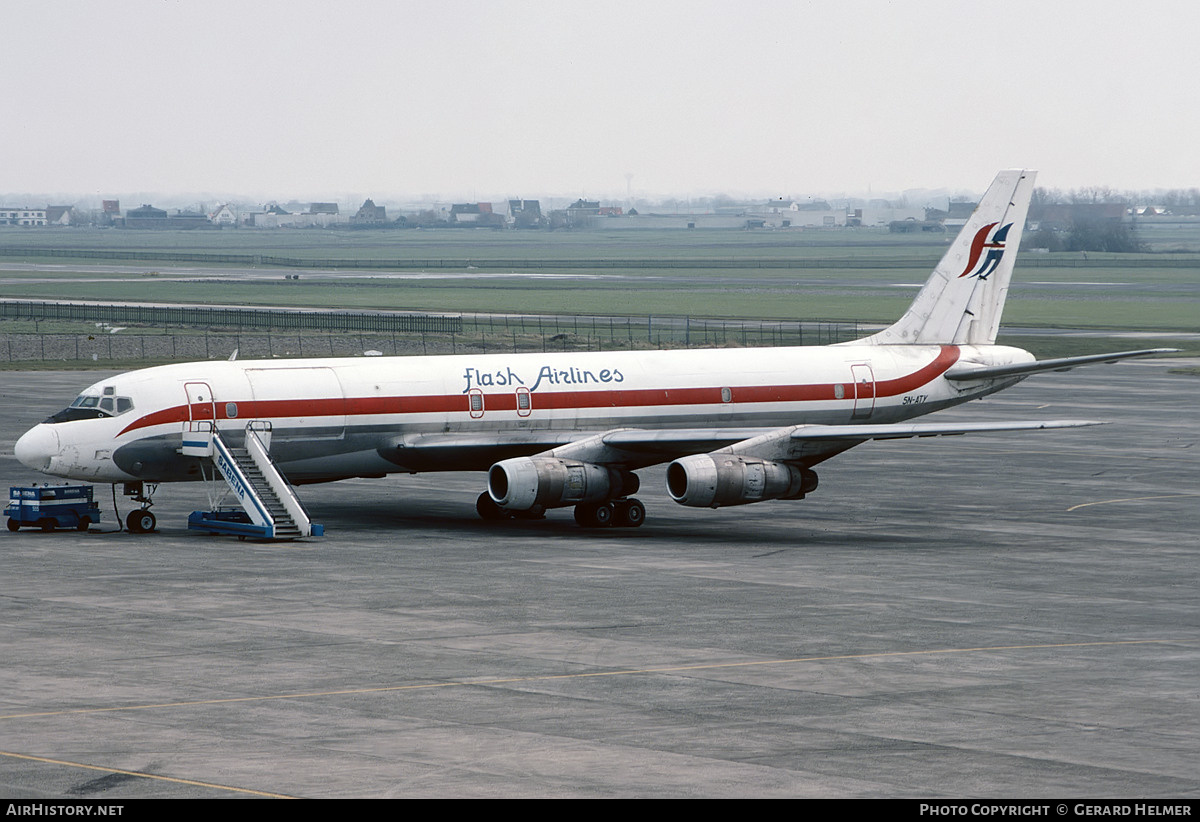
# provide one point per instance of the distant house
(525, 213)
(461, 213)
(477, 214)
(145, 216)
(581, 211)
(585, 208)
(792, 214)
(62, 215)
(223, 215)
(955, 215)
(110, 212)
(782, 206)
(188, 220)
(370, 214)
(318, 215)
(22, 216)
(149, 217)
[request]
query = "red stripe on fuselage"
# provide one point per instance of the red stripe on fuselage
(549, 400)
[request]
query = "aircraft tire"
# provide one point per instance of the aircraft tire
(13, 525)
(140, 522)
(487, 508)
(629, 513)
(594, 514)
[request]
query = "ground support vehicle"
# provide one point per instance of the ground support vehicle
(51, 506)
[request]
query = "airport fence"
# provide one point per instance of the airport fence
(262, 319)
(467, 263)
(197, 333)
(869, 261)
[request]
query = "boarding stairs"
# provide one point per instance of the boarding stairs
(271, 508)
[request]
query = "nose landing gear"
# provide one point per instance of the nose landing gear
(141, 521)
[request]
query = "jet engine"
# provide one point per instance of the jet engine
(521, 483)
(714, 480)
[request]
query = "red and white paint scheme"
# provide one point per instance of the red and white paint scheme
(554, 430)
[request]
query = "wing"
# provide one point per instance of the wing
(639, 447)
(969, 371)
(624, 446)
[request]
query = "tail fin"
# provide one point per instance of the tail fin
(962, 300)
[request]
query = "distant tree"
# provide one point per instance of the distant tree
(1096, 194)
(1091, 235)
(1046, 196)
(1048, 239)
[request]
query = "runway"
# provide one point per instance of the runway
(1008, 615)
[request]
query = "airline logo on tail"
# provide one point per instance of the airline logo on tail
(995, 246)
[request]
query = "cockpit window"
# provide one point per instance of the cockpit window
(92, 407)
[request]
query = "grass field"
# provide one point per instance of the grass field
(1105, 293)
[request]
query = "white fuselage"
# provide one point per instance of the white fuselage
(338, 418)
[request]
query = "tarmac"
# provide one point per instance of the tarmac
(1004, 615)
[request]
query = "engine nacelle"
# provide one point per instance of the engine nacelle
(522, 483)
(714, 480)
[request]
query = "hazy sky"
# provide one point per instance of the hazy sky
(489, 99)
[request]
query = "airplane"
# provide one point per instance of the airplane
(737, 426)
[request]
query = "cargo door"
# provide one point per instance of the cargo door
(302, 403)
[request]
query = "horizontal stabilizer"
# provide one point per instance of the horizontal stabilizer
(968, 371)
(924, 429)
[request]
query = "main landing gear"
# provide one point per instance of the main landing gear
(140, 520)
(617, 513)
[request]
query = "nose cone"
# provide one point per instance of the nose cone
(37, 446)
